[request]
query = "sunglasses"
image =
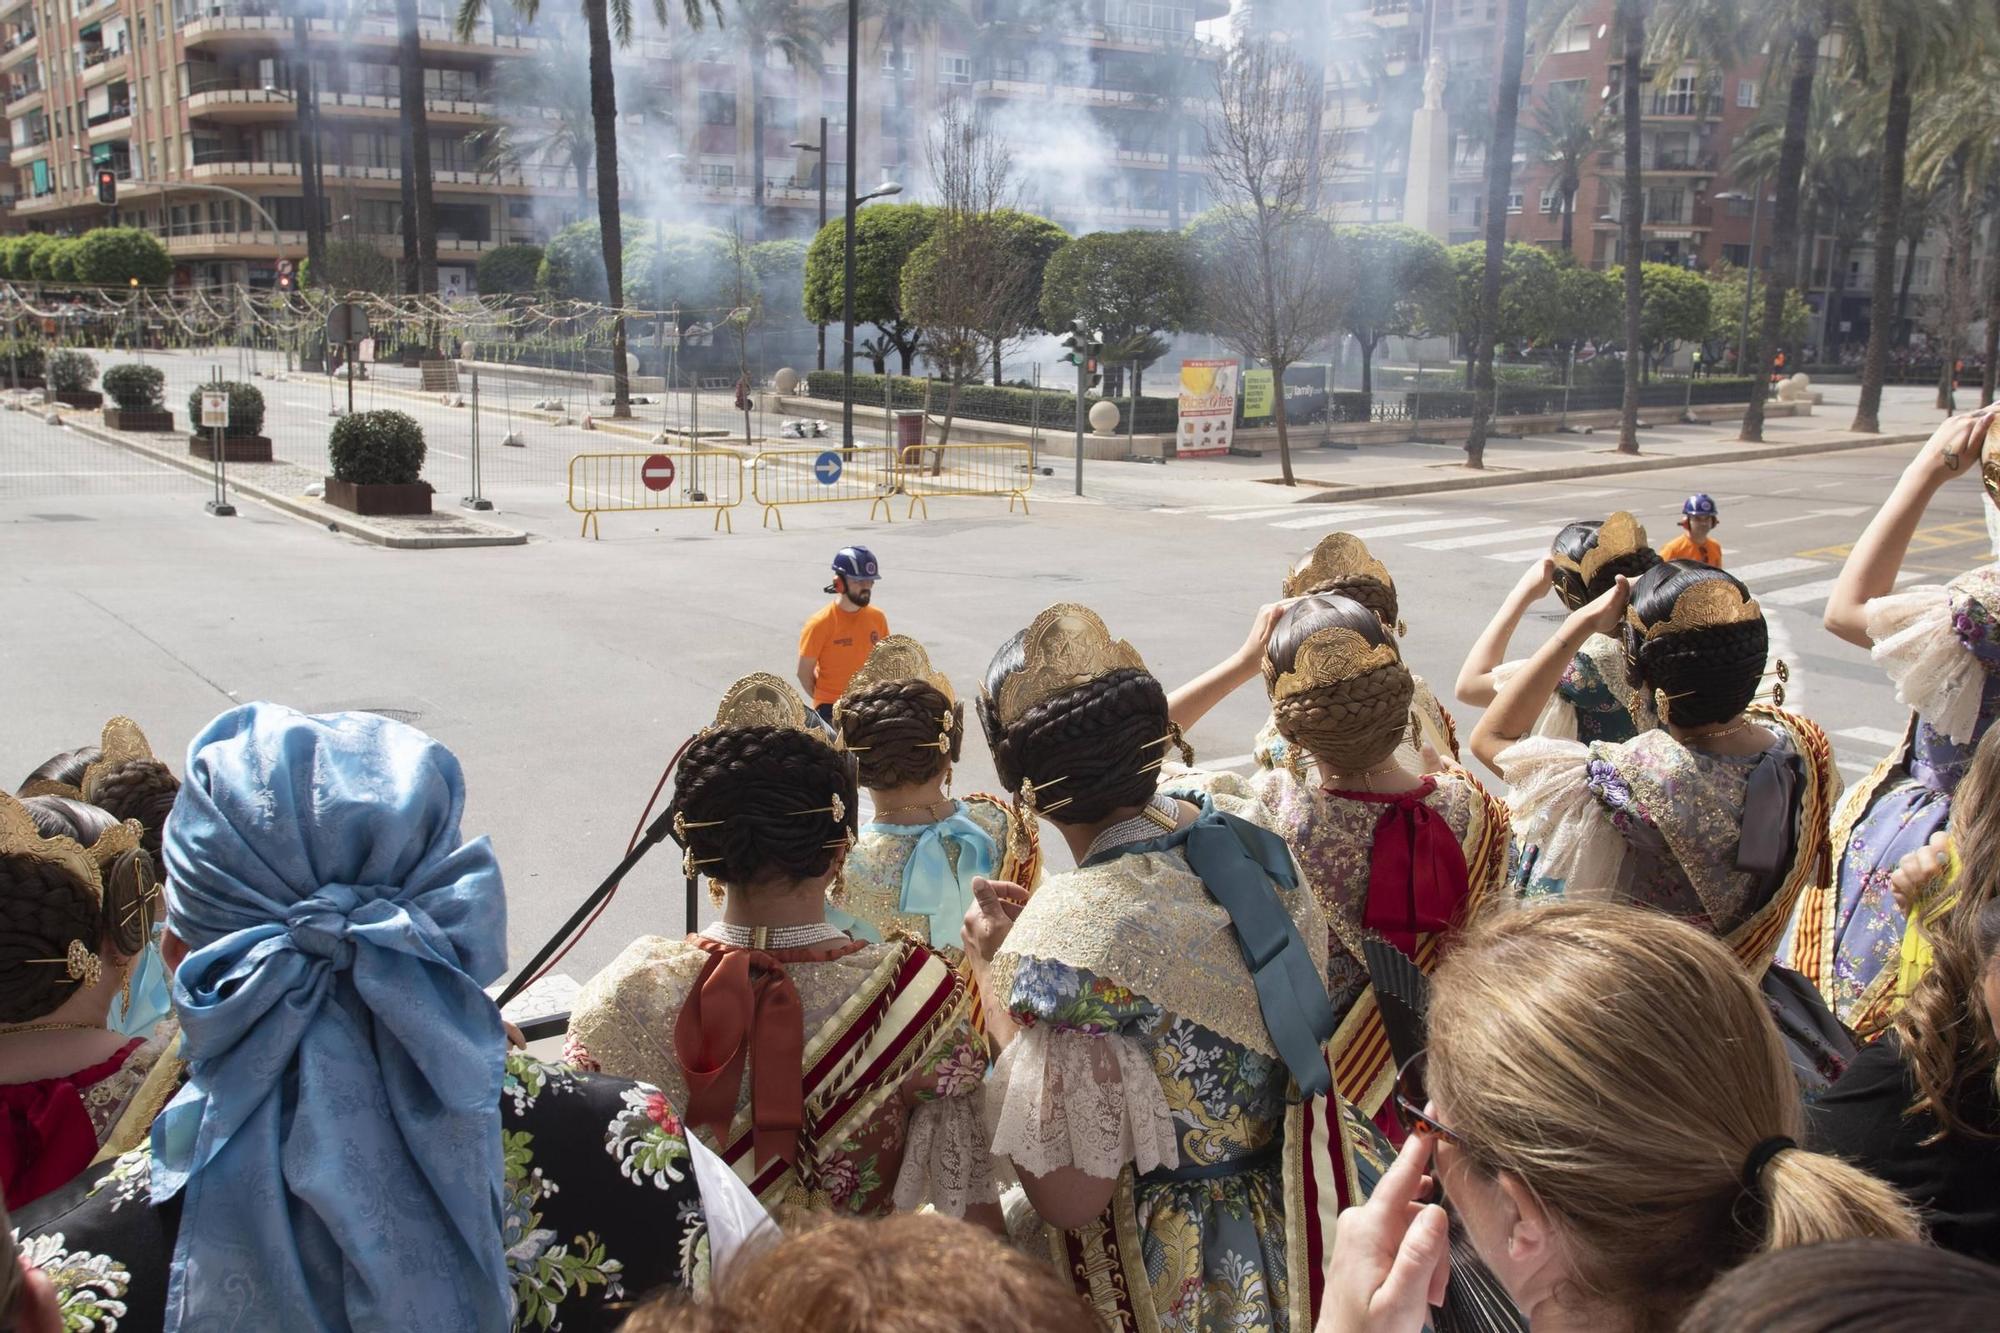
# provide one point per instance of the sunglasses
(1412, 1096)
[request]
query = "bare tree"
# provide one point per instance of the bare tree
(1273, 284)
(965, 287)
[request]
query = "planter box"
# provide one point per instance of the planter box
(23, 382)
(151, 418)
(87, 399)
(414, 498)
(235, 448)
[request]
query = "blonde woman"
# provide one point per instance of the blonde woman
(1612, 1119)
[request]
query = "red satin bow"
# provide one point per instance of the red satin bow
(1416, 873)
(744, 1005)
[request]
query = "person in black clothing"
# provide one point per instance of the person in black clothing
(1884, 1286)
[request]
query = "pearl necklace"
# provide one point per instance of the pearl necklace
(1161, 815)
(773, 937)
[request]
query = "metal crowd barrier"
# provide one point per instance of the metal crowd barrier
(780, 478)
(661, 479)
(965, 469)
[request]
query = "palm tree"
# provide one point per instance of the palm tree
(311, 189)
(1499, 184)
(899, 19)
(1566, 132)
(1170, 77)
(420, 255)
(1920, 205)
(788, 28)
(1954, 149)
(600, 22)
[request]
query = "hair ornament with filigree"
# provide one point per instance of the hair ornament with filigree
(1328, 657)
(1710, 604)
(1066, 646)
(1618, 536)
(764, 700)
(19, 836)
(120, 743)
(1338, 555)
(896, 658)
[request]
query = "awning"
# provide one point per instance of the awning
(100, 154)
(39, 172)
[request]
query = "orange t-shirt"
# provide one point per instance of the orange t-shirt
(1685, 547)
(840, 641)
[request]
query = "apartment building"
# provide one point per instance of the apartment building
(177, 93)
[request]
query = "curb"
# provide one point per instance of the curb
(1657, 463)
(313, 511)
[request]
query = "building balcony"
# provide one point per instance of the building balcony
(28, 150)
(249, 106)
(115, 123)
(517, 180)
(102, 64)
(18, 49)
(1681, 107)
(8, 8)
(20, 102)
(229, 25)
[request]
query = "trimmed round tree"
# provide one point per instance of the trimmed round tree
(135, 388)
(508, 270)
(885, 236)
(246, 407)
(1131, 286)
(384, 448)
(114, 256)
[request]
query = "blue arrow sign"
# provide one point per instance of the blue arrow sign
(827, 468)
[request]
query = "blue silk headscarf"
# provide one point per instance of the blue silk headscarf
(337, 1145)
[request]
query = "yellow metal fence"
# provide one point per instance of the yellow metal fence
(618, 484)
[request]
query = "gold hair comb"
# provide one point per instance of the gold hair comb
(898, 657)
(1707, 605)
(81, 964)
(1327, 657)
(1066, 646)
(1617, 536)
(1338, 555)
(19, 836)
(763, 700)
(122, 743)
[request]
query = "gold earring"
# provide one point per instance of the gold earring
(716, 893)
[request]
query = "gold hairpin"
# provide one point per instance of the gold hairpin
(943, 742)
(1030, 797)
(121, 743)
(836, 807)
(1618, 535)
(682, 824)
(1784, 675)
(81, 963)
(1328, 656)
(1066, 646)
(1339, 555)
(690, 863)
(1710, 604)
(898, 657)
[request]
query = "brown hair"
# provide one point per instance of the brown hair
(46, 905)
(1622, 1066)
(1351, 724)
(1946, 1033)
(893, 729)
(911, 1273)
(1880, 1285)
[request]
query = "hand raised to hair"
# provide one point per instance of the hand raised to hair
(995, 906)
(1918, 871)
(1391, 1256)
(1251, 655)
(1953, 448)
(1537, 579)
(1607, 612)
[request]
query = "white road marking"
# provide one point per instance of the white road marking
(1422, 525)
(1552, 495)
(1233, 761)
(1839, 511)
(1881, 736)
(1476, 539)
(1337, 521)
(1858, 770)
(1804, 594)
(1520, 557)
(1346, 511)
(1770, 569)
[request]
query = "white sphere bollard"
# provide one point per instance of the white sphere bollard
(1104, 417)
(786, 381)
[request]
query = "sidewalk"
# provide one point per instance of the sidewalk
(1373, 472)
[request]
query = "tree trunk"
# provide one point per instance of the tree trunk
(1888, 226)
(580, 163)
(1784, 228)
(1278, 369)
(1569, 218)
(408, 274)
(1903, 294)
(1174, 164)
(1499, 183)
(997, 342)
(417, 134)
(1632, 217)
(310, 199)
(604, 125)
(1992, 348)
(1367, 346)
(757, 143)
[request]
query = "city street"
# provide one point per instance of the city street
(566, 672)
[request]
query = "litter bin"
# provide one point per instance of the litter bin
(909, 431)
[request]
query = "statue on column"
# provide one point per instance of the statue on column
(1434, 77)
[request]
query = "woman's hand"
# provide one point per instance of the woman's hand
(1391, 1256)
(1536, 581)
(1604, 615)
(1250, 656)
(1953, 448)
(995, 906)
(1918, 871)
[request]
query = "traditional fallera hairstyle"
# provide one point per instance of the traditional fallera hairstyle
(763, 796)
(1591, 554)
(1623, 1067)
(120, 774)
(73, 881)
(1883, 1286)
(1339, 690)
(899, 717)
(1341, 563)
(1946, 1032)
(1078, 726)
(1694, 634)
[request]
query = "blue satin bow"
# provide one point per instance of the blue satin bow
(932, 888)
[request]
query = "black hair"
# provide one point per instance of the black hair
(1096, 747)
(65, 769)
(1352, 724)
(1577, 540)
(45, 906)
(893, 729)
(1706, 675)
(755, 805)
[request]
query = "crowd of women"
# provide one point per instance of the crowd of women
(1671, 1036)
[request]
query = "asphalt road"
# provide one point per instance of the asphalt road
(565, 673)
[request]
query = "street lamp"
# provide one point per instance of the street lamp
(854, 202)
(820, 148)
(1749, 271)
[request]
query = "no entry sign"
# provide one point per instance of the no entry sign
(657, 472)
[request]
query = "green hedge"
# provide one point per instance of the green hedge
(377, 449)
(135, 388)
(246, 408)
(984, 402)
(24, 357)
(1546, 400)
(71, 371)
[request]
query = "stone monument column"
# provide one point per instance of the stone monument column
(1427, 186)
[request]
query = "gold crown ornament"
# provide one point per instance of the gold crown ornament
(1066, 646)
(1619, 535)
(764, 700)
(898, 657)
(1339, 555)
(1328, 657)
(19, 836)
(121, 742)
(1707, 605)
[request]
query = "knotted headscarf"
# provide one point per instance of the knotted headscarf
(337, 1145)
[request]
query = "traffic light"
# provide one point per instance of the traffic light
(284, 281)
(1083, 344)
(107, 187)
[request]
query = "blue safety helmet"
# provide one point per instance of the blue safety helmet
(855, 562)
(1700, 505)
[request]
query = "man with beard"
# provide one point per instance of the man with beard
(839, 636)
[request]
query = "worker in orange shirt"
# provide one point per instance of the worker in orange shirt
(839, 636)
(1698, 519)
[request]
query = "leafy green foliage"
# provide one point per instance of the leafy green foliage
(984, 402)
(509, 269)
(1402, 283)
(1587, 305)
(885, 236)
(780, 268)
(71, 371)
(573, 262)
(1032, 241)
(23, 357)
(352, 266)
(384, 448)
(1674, 307)
(1128, 285)
(135, 388)
(246, 407)
(1725, 310)
(680, 267)
(1527, 292)
(21, 263)
(113, 256)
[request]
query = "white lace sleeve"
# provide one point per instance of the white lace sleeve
(1933, 672)
(945, 1160)
(1071, 1099)
(1581, 855)
(1557, 720)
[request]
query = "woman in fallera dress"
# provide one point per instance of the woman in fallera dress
(833, 1074)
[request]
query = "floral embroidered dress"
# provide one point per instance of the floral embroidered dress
(915, 880)
(887, 1079)
(1941, 647)
(1728, 843)
(601, 1207)
(50, 1128)
(1595, 700)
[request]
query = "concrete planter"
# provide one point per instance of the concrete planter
(372, 500)
(151, 418)
(235, 448)
(87, 399)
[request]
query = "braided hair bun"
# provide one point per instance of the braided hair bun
(141, 789)
(1708, 673)
(129, 874)
(1366, 589)
(1096, 747)
(48, 906)
(1576, 541)
(1350, 720)
(894, 729)
(752, 805)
